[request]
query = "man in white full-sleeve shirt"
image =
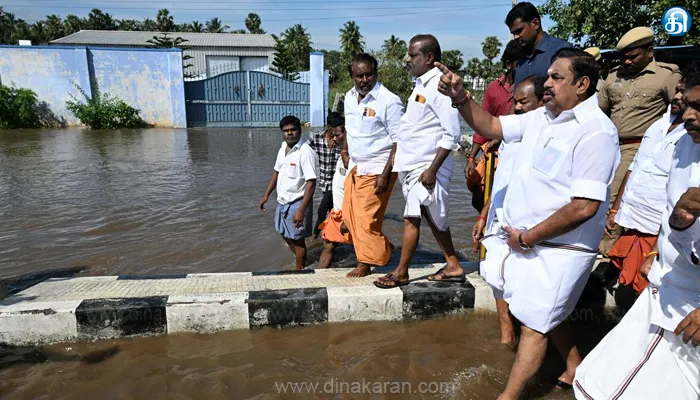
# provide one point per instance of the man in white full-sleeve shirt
(372, 117)
(653, 352)
(554, 209)
(428, 137)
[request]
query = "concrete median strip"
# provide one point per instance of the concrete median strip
(73, 309)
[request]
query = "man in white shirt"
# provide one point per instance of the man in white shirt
(372, 115)
(555, 205)
(652, 353)
(332, 230)
(526, 97)
(428, 137)
(294, 177)
(641, 201)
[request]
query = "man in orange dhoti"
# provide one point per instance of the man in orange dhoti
(641, 200)
(372, 115)
(332, 229)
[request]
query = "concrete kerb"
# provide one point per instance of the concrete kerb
(70, 309)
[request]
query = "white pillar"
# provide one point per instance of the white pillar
(317, 111)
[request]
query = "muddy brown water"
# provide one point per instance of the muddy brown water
(177, 201)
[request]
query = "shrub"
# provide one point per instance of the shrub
(19, 108)
(104, 112)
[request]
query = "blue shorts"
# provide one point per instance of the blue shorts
(284, 221)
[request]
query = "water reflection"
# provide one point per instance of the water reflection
(158, 201)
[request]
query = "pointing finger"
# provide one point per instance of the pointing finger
(443, 68)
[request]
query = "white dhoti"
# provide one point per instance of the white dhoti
(639, 360)
(543, 285)
(436, 201)
(491, 268)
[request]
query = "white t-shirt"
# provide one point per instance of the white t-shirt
(339, 184)
(295, 168)
(645, 197)
(430, 123)
(574, 154)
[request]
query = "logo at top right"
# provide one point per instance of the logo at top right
(676, 21)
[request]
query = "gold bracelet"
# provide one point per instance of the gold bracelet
(651, 253)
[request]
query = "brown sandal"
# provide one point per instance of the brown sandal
(393, 279)
(445, 278)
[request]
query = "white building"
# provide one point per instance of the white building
(212, 53)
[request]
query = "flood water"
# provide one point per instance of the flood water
(175, 201)
(159, 201)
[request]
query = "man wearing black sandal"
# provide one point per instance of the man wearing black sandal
(428, 137)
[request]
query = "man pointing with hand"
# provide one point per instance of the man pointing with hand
(554, 209)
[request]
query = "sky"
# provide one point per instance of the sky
(458, 24)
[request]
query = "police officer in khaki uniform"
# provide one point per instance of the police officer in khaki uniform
(635, 95)
(595, 52)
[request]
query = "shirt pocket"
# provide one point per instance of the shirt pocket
(551, 157)
(664, 158)
(368, 126)
(291, 169)
(644, 98)
(416, 112)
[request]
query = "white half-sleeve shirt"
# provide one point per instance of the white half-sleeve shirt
(645, 198)
(372, 127)
(430, 123)
(574, 154)
(295, 168)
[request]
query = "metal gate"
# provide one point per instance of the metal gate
(245, 99)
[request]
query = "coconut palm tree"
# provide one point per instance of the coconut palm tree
(97, 20)
(395, 48)
(72, 24)
(252, 23)
(298, 43)
(165, 21)
(149, 25)
(196, 27)
(54, 27)
(215, 25)
(351, 40)
(129, 25)
(39, 34)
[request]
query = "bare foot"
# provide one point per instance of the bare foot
(360, 271)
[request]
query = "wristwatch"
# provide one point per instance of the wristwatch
(522, 243)
(465, 100)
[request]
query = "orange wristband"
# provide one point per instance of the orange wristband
(613, 211)
(480, 218)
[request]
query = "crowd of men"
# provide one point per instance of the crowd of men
(570, 144)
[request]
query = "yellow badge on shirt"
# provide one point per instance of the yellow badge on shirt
(420, 99)
(369, 112)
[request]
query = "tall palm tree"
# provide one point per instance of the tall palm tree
(351, 40)
(72, 24)
(129, 25)
(395, 48)
(97, 20)
(54, 27)
(165, 21)
(252, 23)
(298, 43)
(196, 27)
(215, 25)
(7, 27)
(39, 34)
(149, 25)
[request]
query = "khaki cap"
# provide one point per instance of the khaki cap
(635, 37)
(594, 51)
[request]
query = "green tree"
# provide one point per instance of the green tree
(165, 21)
(196, 27)
(297, 41)
(149, 25)
(54, 27)
(332, 61)
(215, 25)
(453, 59)
(39, 34)
(18, 108)
(253, 22)
(240, 31)
(395, 48)
(165, 41)
(283, 63)
(73, 24)
(129, 25)
(486, 68)
(351, 40)
(99, 21)
(603, 22)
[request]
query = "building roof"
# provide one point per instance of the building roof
(135, 38)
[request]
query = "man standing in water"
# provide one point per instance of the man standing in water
(372, 116)
(527, 97)
(554, 208)
(328, 153)
(294, 177)
(428, 137)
